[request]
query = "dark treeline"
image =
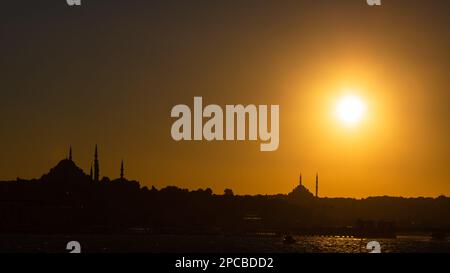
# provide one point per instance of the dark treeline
(66, 200)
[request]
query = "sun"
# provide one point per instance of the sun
(350, 110)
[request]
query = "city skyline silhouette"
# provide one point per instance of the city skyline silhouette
(67, 200)
(363, 92)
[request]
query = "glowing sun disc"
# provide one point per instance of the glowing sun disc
(350, 109)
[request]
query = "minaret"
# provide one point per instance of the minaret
(91, 174)
(121, 170)
(317, 184)
(70, 153)
(300, 184)
(96, 166)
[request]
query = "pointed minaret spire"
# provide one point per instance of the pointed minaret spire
(121, 170)
(300, 180)
(96, 165)
(70, 153)
(317, 184)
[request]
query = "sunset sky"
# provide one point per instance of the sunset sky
(109, 73)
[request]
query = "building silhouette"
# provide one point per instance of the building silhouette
(317, 184)
(121, 171)
(96, 166)
(301, 187)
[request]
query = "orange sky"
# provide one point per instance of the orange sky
(111, 74)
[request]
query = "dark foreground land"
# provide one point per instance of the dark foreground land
(134, 218)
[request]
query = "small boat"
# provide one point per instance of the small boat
(288, 240)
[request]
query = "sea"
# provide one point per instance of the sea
(258, 243)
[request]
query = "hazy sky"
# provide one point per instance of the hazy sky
(109, 72)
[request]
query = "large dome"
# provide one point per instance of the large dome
(66, 171)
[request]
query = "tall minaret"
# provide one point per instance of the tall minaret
(121, 170)
(96, 166)
(317, 184)
(70, 153)
(91, 175)
(300, 181)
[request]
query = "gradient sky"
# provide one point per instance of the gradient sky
(109, 72)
